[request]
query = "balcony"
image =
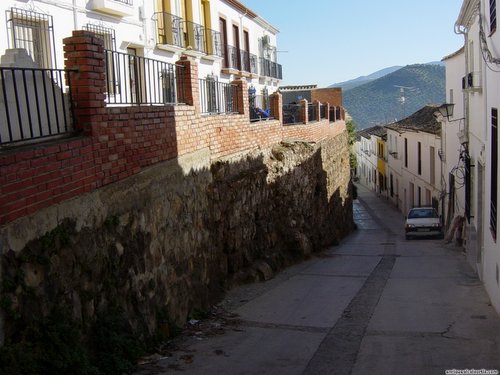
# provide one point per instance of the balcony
(168, 29)
(194, 36)
(242, 62)
(120, 8)
(214, 42)
(271, 69)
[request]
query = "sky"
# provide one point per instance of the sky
(330, 41)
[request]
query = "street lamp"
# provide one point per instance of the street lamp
(446, 110)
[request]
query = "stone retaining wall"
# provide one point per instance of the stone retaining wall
(169, 240)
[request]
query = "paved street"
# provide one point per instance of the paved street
(375, 304)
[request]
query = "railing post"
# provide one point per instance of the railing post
(187, 82)
(277, 106)
(84, 58)
(305, 110)
(242, 96)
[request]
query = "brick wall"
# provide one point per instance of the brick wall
(331, 95)
(117, 142)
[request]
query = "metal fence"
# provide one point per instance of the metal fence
(259, 105)
(132, 79)
(312, 110)
(332, 114)
(217, 97)
(34, 103)
(323, 111)
(292, 114)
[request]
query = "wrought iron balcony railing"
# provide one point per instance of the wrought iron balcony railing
(168, 29)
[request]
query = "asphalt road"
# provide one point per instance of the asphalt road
(375, 304)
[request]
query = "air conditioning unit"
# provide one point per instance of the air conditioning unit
(266, 40)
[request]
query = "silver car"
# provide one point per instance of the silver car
(423, 222)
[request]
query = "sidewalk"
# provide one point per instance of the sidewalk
(375, 304)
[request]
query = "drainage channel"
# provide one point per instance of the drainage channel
(338, 351)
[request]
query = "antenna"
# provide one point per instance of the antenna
(402, 98)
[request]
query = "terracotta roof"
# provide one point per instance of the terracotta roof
(421, 121)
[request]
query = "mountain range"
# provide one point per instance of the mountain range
(393, 93)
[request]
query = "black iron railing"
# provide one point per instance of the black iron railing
(292, 114)
(259, 105)
(194, 36)
(233, 58)
(270, 68)
(312, 112)
(214, 42)
(323, 111)
(168, 29)
(34, 104)
(132, 79)
(333, 114)
(217, 97)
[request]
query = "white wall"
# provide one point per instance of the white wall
(140, 33)
(491, 94)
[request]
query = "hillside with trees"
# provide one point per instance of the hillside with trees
(395, 95)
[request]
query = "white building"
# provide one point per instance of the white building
(227, 39)
(479, 75)
(413, 165)
(369, 156)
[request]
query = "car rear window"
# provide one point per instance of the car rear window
(422, 214)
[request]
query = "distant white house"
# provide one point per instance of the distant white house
(413, 166)
(401, 161)
(369, 156)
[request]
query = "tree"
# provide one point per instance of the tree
(351, 131)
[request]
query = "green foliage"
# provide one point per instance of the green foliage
(50, 345)
(351, 130)
(378, 102)
(55, 345)
(112, 221)
(55, 239)
(114, 345)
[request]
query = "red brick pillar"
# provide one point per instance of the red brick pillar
(188, 86)
(304, 109)
(277, 106)
(327, 109)
(84, 53)
(241, 100)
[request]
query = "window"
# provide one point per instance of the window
(35, 33)
(494, 173)
(432, 166)
(223, 31)
(236, 42)
(406, 152)
(493, 16)
(107, 34)
(419, 158)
